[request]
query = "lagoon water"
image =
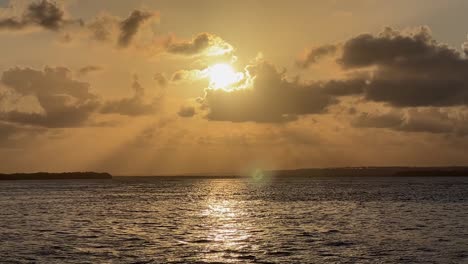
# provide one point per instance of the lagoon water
(289, 220)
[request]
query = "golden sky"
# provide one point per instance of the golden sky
(172, 86)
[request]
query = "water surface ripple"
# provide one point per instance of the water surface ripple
(175, 220)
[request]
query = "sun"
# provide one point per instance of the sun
(223, 76)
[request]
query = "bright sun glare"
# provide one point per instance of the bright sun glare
(222, 76)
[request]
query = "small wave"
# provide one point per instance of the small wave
(247, 257)
(281, 253)
(338, 244)
(202, 241)
(331, 231)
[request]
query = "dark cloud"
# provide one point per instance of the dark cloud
(132, 106)
(200, 43)
(400, 69)
(271, 98)
(103, 28)
(11, 24)
(89, 69)
(392, 120)
(185, 75)
(418, 92)
(65, 102)
(412, 69)
(415, 51)
(186, 111)
(344, 87)
(315, 54)
(48, 15)
(160, 79)
(404, 69)
(194, 46)
(130, 26)
(44, 14)
(108, 28)
(178, 76)
(415, 120)
(66, 116)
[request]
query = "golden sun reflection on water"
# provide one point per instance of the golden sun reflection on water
(228, 222)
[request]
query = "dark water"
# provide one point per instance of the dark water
(143, 220)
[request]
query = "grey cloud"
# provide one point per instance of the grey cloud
(89, 69)
(392, 120)
(65, 102)
(388, 47)
(44, 14)
(194, 46)
(187, 111)
(401, 69)
(415, 120)
(185, 75)
(344, 87)
(108, 28)
(178, 76)
(404, 70)
(404, 55)
(418, 92)
(160, 79)
(132, 106)
(66, 116)
(130, 26)
(48, 15)
(11, 24)
(412, 69)
(315, 54)
(199, 44)
(103, 28)
(400, 54)
(271, 99)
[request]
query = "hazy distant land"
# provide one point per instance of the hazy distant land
(376, 172)
(453, 171)
(55, 176)
(460, 171)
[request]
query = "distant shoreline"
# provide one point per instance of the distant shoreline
(351, 172)
(336, 172)
(378, 172)
(54, 176)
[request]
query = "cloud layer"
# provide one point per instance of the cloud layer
(63, 101)
(406, 69)
(132, 106)
(130, 26)
(48, 15)
(271, 98)
(44, 14)
(415, 120)
(206, 43)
